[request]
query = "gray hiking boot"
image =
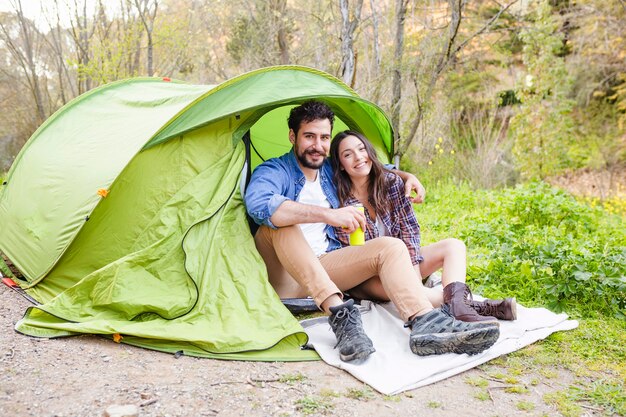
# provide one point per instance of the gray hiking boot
(352, 341)
(438, 332)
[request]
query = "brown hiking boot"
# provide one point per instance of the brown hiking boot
(456, 298)
(502, 309)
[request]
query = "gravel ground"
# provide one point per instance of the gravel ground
(85, 375)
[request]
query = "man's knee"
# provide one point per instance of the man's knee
(268, 234)
(391, 246)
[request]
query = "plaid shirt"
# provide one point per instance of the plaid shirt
(401, 222)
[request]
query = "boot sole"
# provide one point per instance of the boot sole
(357, 356)
(482, 323)
(513, 316)
(514, 308)
(471, 342)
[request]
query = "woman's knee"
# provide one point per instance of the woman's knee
(454, 246)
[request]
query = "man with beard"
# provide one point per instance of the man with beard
(295, 202)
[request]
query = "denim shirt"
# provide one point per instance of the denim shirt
(280, 179)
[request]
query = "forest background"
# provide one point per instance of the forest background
(491, 101)
(488, 92)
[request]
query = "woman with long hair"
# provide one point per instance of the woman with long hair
(362, 179)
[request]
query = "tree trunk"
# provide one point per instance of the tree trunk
(447, 56)
(348, 60)
(376, 71)
(24, 55)
(396, 91)
(279, 8)
(147, 17)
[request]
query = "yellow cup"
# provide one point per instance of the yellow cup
(357, 238)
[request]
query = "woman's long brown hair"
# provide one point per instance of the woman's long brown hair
(377, 187)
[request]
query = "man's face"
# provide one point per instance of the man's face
(312, 143)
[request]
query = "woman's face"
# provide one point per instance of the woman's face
(353, 157)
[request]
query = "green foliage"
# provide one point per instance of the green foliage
(482, 395)
(363, 394)
(329, 393)
(242, 39)
(476, 152)
(516, 389)
(291, 379)
(477, 382)
(619, 97)
(593, 352)
(255, 34)
(313, 405)
(609, 395)
(601, 144)
(525, 406)
(543, 128)
(536, 243)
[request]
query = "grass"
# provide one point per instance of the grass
(477, 382)
(392, 398)
(547, 249)
(516, 389)
(313, 405)
(525, 406)
(550, 250)
(434, 404)
(363, 394)
(482, 395)
(291, 379)
(517, 248)
(595, 356)
(329, 393)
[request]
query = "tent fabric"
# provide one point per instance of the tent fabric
(125, 215)
(82, 148)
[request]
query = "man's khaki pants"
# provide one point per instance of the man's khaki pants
(381, 268)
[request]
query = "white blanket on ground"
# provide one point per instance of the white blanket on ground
(393, 368)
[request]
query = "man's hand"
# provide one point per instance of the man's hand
(292, 212)
(412, 183)
(348, 218)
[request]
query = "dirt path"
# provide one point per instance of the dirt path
(588, 183)
(82, 376)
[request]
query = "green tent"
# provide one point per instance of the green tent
(124, 212)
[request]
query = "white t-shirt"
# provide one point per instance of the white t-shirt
(314, 232)
(382, 229)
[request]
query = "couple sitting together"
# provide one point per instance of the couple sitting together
(304, 203)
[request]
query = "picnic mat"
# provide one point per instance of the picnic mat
(393, 368)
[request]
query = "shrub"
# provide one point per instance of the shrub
(536, 243)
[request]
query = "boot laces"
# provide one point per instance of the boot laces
(348, 324)
(490, 308)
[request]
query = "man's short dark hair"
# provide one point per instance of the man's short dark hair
(307, 112)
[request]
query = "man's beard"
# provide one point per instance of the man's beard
(310, 164)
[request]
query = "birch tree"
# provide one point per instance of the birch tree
(425, 75)
(396, 94)
(24, 42)
(147, 10)
(350, 22)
